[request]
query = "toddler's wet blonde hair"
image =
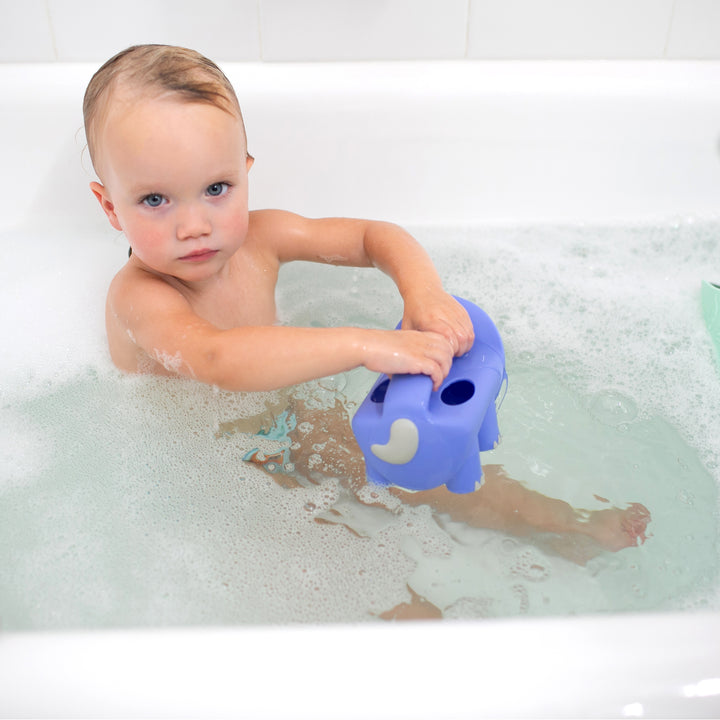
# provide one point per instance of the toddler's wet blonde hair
(155, 70)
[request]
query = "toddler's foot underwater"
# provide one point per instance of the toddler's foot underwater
(609, 530)
(617, 528)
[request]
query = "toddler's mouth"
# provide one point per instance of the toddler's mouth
(199, 255)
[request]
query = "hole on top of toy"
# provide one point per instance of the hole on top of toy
(458, 392)
(378, 394)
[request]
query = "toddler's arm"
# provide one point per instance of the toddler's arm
(363, 243)
(427, 306)
(162, 323)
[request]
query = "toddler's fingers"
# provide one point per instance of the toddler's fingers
(441, 354)
(436, 373)
(455, 324)
(460, 337)
(466, 338)
(463, 330)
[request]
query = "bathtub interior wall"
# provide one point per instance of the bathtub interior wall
(418, 143)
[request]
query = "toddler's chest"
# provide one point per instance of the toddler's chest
(247, 298)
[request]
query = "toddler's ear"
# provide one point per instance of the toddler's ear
(101, 193)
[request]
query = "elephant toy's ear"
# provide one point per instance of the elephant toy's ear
(400, 449)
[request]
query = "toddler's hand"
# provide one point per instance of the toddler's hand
(437, 311)
(408, 351)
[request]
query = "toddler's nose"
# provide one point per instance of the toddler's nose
(192, 223)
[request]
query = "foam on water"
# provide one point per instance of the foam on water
(122, 503)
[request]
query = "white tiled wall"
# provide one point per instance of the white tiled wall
(569, 28)
(326, 30)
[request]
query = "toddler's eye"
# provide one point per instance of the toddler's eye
(153, 200)
(216, 189)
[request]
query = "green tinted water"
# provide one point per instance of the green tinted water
(122, 505)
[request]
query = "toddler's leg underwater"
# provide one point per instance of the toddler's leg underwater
(322, 445)
(502, 503)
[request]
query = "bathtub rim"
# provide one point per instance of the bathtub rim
(631, 665)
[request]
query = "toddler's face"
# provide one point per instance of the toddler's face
(175, 181)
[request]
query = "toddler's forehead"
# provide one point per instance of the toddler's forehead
(127, 101)
(119, 102)
(130, 113)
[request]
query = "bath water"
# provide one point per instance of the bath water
(122, 502)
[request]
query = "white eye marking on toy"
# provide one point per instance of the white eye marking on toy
(402, 445)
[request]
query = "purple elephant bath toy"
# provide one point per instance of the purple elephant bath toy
(417, 438)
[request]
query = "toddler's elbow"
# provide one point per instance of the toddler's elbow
(217, 371)
(223, 368)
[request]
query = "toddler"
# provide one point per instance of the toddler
(196, 296)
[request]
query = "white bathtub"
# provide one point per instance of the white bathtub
(460, 143)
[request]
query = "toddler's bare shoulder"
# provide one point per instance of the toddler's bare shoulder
(132, 288)
(273, 222)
